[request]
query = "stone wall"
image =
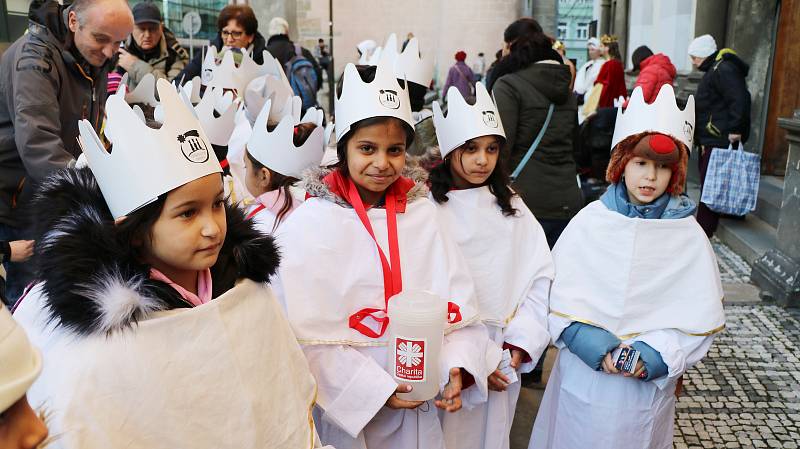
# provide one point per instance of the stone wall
(442, 26)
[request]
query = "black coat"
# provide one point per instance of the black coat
(195, 66)
(547, 184)
(722, 102)
(282, 49)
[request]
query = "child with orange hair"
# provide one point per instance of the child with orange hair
(635, 275)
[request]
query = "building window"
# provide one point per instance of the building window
(582, 32)
(562, 30)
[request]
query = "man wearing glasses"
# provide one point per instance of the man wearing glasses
(50, 78)
(151, 48)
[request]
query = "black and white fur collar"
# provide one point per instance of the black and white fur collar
(93, 282)
(314, 186)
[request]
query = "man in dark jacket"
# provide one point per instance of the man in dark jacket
(151, 48)
(50, 78)
(283, 49)
(722, 107)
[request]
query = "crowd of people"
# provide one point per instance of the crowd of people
(223, 265)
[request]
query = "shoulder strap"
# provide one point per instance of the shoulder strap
(535, 144)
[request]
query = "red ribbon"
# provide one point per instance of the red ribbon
(392, 277)
(255, 211)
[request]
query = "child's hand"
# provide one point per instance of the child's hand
(396, 403)
(608, 365)
(451, 398)
(516, 358)
(498, 381)
(639, 373)
(21, 250)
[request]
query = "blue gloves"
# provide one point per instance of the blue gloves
(653, 363)
(589, 343)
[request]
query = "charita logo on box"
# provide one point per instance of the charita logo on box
(409, 359)
(389, 99)
(193, 147)
(489, 119)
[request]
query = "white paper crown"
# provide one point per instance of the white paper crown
(276, 149)
(145, 91)
(192, 89)
(267, 87)
(227, 75)
(412, 66)
(464, 121)
(382, 97)
(218, 129)
(662, 116)
(144, 162)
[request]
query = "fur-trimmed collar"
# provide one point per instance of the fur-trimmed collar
(314, 186)
(93, 281)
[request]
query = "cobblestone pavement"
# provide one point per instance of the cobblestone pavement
(746, 392)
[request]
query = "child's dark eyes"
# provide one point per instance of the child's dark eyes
(189, 213)
(219, 203)
(396, 150)
(366, 148)
(493, 149)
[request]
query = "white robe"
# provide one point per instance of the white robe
(510, 262)
(593, 259)
(206, 377)
(331, 269)
(584, 81)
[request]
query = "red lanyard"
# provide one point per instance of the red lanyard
(392, 277)
(255, 211)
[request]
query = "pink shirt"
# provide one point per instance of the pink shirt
(203, 286)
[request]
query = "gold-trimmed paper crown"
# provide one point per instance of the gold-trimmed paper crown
(662, 116)
(381, 97)
(144, 162)
(276, 149)
(465, 121)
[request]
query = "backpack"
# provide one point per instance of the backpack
(302, 78)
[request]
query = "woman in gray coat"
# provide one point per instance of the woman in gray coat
(531, 77)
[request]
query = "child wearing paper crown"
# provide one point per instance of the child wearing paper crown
(21, 363)
(506, 252)
(152, 310)
(633, 270)
(275, 158)
(365, 233)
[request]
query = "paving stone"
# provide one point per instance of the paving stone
(746, 392)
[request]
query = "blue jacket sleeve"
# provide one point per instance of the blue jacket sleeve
(589, 343)
(653, 363)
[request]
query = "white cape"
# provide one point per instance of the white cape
(631, 275)
(331, 269)
(227, 374)
(505, 254)
(510, 261)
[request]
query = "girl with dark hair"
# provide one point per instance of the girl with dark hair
(366, 232)
(506, 252)
(143, 268)
(534, 99)
(275, 159)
